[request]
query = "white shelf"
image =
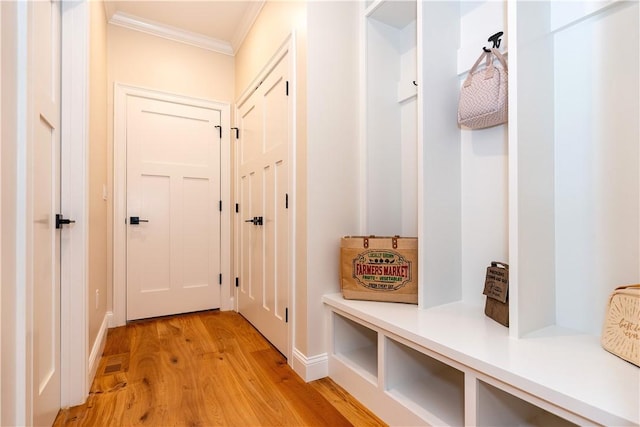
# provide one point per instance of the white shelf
(498, 408)
(571, 371)
(566, 14)
(397, 14)
(421, 400)
(363, 362)
(406, 91)
(357, 346)
(428, 387)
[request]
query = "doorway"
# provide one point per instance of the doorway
(264, 219)
(170, 193)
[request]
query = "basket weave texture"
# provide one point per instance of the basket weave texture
(621, 331)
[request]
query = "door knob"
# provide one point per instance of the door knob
(256, 220)
(60, 221)
(135, 220)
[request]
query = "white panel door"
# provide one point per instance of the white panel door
(265, 127)
(44, 202)
(173, 188)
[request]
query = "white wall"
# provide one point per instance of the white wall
(484, 162)
(333, 150)
(597, 204)
(12, 368)
(97, 286)
(1, 119)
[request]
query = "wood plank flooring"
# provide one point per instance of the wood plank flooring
(206, 369)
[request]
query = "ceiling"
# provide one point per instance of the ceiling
(217, 25)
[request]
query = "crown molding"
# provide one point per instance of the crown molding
(250, 16)
(171, 33)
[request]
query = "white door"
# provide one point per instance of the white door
(44, 201)
(264, 127)
(173, 192)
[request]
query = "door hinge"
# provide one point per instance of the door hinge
(286, 315)
(237, 282)
(237, 132)
(220, 279)
(220, 130)
(220, 205)
(237, 208)
(286, 200)
(287, 88)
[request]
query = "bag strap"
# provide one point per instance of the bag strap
(499, 264)
(627, 287)
(489, 64)
(500, 57)
(485, 55)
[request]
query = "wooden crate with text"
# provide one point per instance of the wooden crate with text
(378, 268)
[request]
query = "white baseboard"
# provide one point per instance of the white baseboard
(97, 348)
(228, 304)
(310, 368)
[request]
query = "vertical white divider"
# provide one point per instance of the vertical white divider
(440, 173)
(470, 399)
(514, 322)
(382, 361)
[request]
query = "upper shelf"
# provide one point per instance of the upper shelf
(398, 14)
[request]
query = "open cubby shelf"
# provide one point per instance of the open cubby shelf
(430, 388)
(499, 408)
(453, 353)
(357, 346)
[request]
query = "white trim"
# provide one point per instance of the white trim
(121, 91)
(226, 258)
(293, 190)
(286, 46)
(110, 321)
(248, 19)
(362, 116)
(310, 368)
(96, 350)
(74, 325)
(11, 374)
(1, 234)
(119, 262)
(171, 33)
(23, 308)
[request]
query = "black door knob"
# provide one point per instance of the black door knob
(61, 220)
(256, 220)
(135, 220)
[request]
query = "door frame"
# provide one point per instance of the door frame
(288, 45)
(74, 311)
(16, 293)
(121, 92)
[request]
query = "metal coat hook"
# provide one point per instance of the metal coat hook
(496, 41)
(237, 132)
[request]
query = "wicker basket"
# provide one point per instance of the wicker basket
(621, 332)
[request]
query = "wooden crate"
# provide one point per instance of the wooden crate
(378, 268)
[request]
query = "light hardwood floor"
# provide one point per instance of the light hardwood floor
(206, 369)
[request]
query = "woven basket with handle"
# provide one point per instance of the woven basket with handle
(621, 331)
